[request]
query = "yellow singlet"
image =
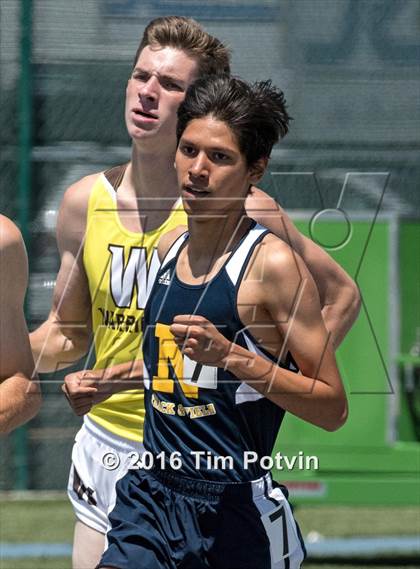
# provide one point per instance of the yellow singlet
(120, 267)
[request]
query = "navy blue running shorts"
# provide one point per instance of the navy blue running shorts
(164, 521)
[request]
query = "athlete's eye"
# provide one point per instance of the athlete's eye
(171, 85)
(187, 149)
(220, 157)
(140, 76)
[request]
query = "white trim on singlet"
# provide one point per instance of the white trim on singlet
(109, 187)
(153, 270)
(146, 378)
(173, 251)
(245, 392)
(177, 204)
(235, 264)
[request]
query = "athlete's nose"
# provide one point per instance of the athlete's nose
(149, 90)
(199, 166)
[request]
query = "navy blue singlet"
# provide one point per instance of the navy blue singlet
(192, 408)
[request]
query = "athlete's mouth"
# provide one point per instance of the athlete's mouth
(142, 113)
(193, 190)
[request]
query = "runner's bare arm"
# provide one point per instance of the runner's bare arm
(20, 396)
(339, 295)
(317, 396)
(65, 336)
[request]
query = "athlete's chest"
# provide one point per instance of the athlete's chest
(121, 268)
(215, 301)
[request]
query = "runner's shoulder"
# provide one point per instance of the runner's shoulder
(168, 239)
(10, 235)
(277, 258)
(13, 260)
(76, 197)
(72, 215)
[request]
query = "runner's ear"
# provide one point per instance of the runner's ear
(257, 169)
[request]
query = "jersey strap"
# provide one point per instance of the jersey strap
(174, 249)
(238, 262)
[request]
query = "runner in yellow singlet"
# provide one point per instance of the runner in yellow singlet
(120, 266)
(139, 203)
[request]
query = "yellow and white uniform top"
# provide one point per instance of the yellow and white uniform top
(121, 266)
